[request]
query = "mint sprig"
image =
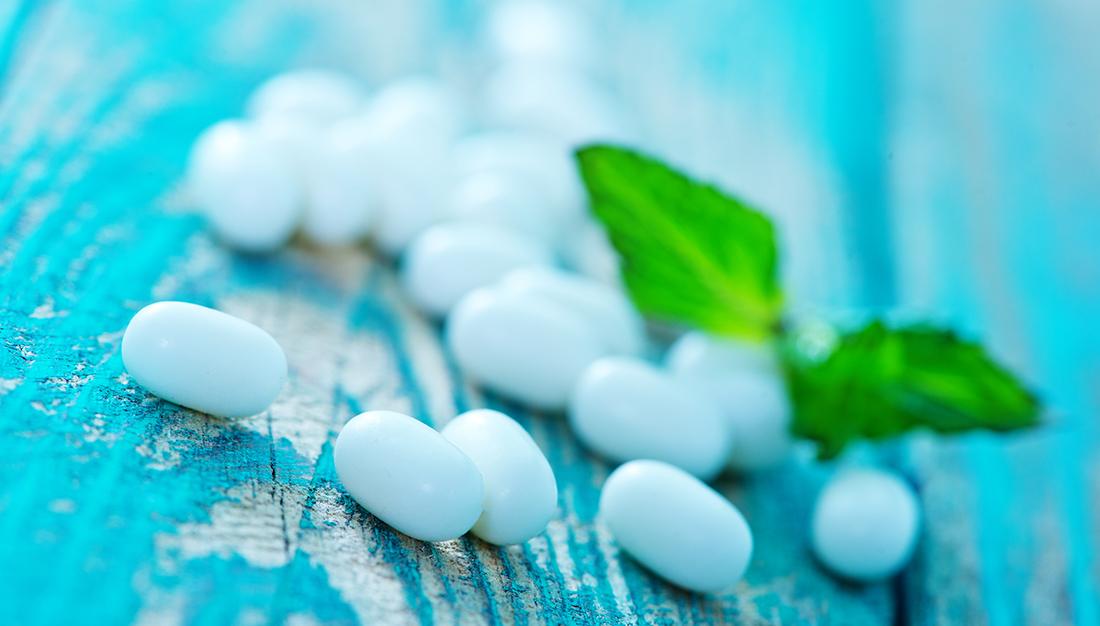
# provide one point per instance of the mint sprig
(694, 255)
(879, 382)
(689, 252)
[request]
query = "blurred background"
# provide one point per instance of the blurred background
(932, 158)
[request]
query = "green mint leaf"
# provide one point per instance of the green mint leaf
(879, 383)
(690, 253)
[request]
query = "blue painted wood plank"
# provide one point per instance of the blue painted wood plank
(133, 510)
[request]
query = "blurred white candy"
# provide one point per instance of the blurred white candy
(745, 381)
(410, 127)
(246, 186)
(298, 138)
(448, 261)
(625, 409)
(341, 196)
(322, 96)
(865, 524)
(540, 30)
(555, 100)
(521, 345)
(620, 326)
(506, 199)
(535, 156)
(587, 250)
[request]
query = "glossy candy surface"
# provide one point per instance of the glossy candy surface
(520, 492)
(247, 186)
(745, 381)
(865, 524)
(675, 525)
(523, 346)
(408, 475)
(626, 409)
(448, 261)
(203, 359)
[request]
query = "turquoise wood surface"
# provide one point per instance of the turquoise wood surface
(119, 508)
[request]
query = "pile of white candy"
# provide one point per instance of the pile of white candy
(483, 224)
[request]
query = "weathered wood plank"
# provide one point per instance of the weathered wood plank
(132, 509)
(997, 163)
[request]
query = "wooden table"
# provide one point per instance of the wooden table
(116, 507)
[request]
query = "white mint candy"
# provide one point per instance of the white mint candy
(620, 326)
(534, 156)
(448, 261)
(410, 126)
(675, 525)
(246, 185)
(341, 198)
(409, 476)
(745, 381)
(520, 491)
(323, 96)
(554, 100)
(865, 525)
(203, 359)
(506, 199)
(626, 409)
(588, 251)
(523, 346)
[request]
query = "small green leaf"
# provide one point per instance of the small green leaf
(690, 253)
(879, 383)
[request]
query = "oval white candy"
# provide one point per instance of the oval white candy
(408, 475)
(448, 261)
(520, 492)
(556, 100)
(619, 324)
(675, 525)
(865, 524)
(248, 188)
(532, 155)
(505, 199)
(522, 346)
(587, 250)
(745, 381)
(323, 96)
(341, 197)
(626, 409)
(203, 359)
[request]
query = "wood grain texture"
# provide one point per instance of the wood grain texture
(121, 508)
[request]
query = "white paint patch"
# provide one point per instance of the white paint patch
(46, 311)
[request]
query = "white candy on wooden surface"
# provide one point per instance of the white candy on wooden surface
(203, 359)
(448, 261)
(555, 100)
(341, 195)
(746, 382)
(246, 185)
(408, 475)
(506, 199)
(410, 127)
(675, 525)
(323, 96)
(523, 346)
(618, 322)
(535, 156)
(587, 250)
(520, 491)
(626, 409)
(865, 524)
